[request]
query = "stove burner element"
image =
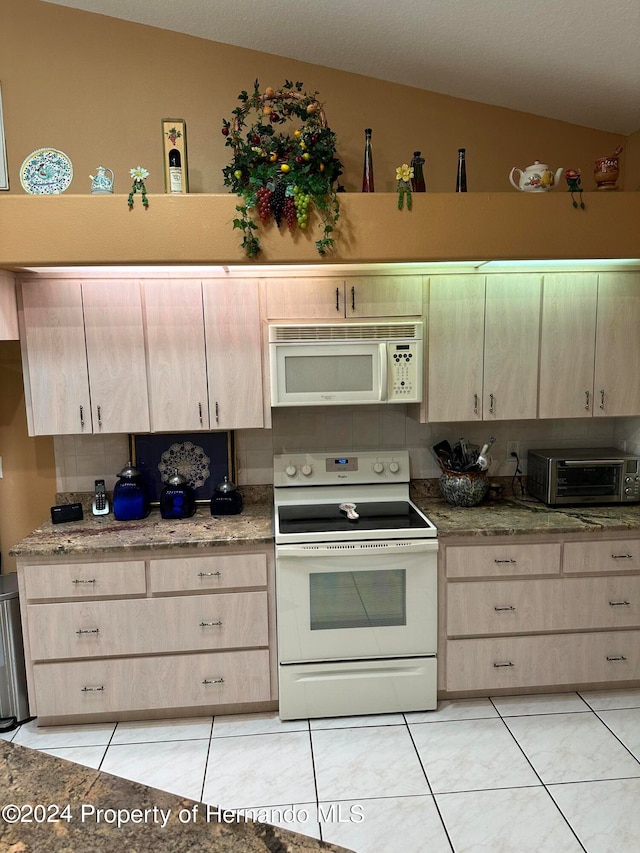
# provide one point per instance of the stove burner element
(350, 509)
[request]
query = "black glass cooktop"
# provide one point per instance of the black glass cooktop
(328, 518)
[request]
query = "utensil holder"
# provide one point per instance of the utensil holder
(464, 488)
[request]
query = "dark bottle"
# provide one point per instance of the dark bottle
(417, 182)
(175, 171)
(367, 173)
(461, 179)
(178, 499)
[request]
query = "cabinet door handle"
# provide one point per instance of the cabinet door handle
(89, 631)
(475, 404)
(337, 299)
(587, 400)
(99, 410)
(211, 624)
(217, 413)
(615, 657)
(602, 399)
(622, 557)
(506, 663)
(619, 604)
(200, 412)
(209, 574)
(492, 400)
(81, 416)
(508, 607)
(499, 562)
(353, 299)
(77, 580)
(92, 689)
(213, 681)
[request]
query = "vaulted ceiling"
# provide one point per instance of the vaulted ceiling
(575, 60)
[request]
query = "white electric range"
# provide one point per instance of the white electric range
(356, 586)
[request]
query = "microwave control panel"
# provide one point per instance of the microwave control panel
(404, 371)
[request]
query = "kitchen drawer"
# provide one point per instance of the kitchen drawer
(504, 607)
(147, 625)
(615, 555)
(531, 606)
(143, 684)
(502, 560)
(190, 574)
(552, 659)
(82, 580)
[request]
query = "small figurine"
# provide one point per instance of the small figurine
(573, 178)
(138, 174)
(404, 176)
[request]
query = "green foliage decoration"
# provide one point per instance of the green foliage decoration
(279, 176)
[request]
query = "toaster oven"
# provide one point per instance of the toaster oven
(597, 475)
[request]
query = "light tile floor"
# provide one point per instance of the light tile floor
(518, 774)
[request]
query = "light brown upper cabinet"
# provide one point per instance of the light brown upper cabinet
(590, 347)
(337, 298)
(483, 347)
(83, 356)
(234, 360)
(177, 361)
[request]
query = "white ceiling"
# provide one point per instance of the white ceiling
(573, 60)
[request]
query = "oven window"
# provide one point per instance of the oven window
(367, 599)
(588, 480)
(305, 374)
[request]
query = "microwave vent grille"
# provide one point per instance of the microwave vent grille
(346, 332)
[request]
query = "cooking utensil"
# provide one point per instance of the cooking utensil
(444, 453)
(350, 510)
(483, 461)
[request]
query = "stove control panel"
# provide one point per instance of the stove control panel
(321, 469)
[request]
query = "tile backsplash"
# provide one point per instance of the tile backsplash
(81, 459)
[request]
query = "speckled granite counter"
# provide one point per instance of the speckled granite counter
(511, 517)
(28, 777)
(254, 525)
(103, 534)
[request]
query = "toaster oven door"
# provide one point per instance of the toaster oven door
(587, 481)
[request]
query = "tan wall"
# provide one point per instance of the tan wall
(97, 88)
(28, 485)
(632, 158)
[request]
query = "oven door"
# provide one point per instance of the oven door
(587, 481)
(353, 601)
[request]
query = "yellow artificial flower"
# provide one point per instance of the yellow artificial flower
(404, 173)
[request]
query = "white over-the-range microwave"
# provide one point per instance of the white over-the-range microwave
(324, 364)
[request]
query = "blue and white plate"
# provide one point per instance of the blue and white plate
(46, 171)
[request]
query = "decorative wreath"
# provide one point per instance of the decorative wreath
(281, 176)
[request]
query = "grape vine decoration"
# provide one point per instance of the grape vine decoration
(281, 177)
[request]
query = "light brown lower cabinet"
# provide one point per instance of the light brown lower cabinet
(523, 615)
(120, 639)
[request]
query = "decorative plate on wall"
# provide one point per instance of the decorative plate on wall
(46, 171)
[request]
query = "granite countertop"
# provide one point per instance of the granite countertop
(95, 800)
(254, 525)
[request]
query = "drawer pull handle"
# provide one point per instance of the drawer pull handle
(213, 681)
(77, 580)
(211, 624)
(209, 574)
(615, 657)
(507, 663)
(89, 631)
(505, 561)
(621, 557)
(508, 607)
(619, 604)
(92, 689)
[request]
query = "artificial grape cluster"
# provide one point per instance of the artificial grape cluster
(290, 213)
(302, 206)
(277, 202)
(264, 203)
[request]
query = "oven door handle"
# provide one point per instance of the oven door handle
(343, 550)
(577, 463)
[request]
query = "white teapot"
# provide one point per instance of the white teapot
(537, 178)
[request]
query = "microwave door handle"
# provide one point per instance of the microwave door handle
(382, 391)
(581, 462)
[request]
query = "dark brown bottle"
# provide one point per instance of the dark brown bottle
(461, 179)
(367, 172)
(417, 182)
